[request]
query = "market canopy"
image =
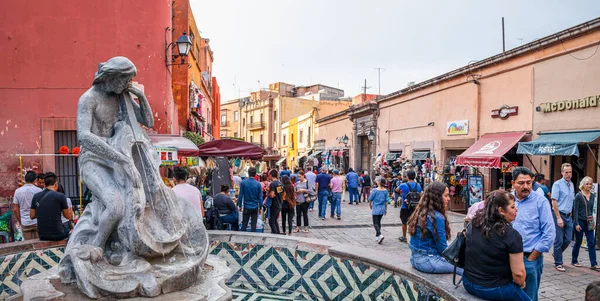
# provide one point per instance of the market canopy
(557, 144)
(419, 155)
(489, 150)
(231, 148)
(185, 147)
(314, 154)
(280, 161)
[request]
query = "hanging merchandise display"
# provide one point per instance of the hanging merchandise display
(475, 189)
(168, 156)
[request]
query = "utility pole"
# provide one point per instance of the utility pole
(379, 69)
(365, 90)
(503, 41)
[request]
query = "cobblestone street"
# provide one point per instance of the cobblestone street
(355, 228)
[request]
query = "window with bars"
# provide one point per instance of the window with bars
(67, 169)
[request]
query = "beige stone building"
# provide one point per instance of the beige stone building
(230, 119)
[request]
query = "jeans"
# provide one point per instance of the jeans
(509, 292)
(563, 238)
(336, 203)
(377, 224)
(533, 271)
(353, 192)
(396, 197)
(302, 213)
(432, 264)
(273, 215)
(311, 205)
(287, 215)
(231, 219)
(589, 237)
(252, 215)
(323, 194)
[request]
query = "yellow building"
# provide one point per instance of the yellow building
(297, 139)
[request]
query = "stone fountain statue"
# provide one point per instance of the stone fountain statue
(136, 238)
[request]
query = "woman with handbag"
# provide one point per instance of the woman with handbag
(583, 206)
(494, 268)
(430, 231)
(305, 194)
(288, 204)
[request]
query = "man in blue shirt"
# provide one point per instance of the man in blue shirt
(322, 185)
(405, 212)
(563, 194)
(250, 200)
(311, 177)
(540, 188)
(535, 224)
(352, 179)
(285, 172)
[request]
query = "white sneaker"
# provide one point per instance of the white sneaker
(380, 239)
(377, 239)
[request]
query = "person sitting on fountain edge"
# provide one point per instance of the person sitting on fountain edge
(47, 207)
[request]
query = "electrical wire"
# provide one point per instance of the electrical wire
(580, 59)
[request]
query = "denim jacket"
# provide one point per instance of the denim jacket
(427, 245)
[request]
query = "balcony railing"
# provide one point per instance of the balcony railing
(256, 125)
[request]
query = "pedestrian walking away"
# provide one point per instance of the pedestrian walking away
(563, 194)
(322, 185)
(378, 201)
(410, 196)
(353, 180)
(337, 182)
(430, 230)
(494, 267)
(312, 178)
(583, 206)
(534, 223)
(250, 200)
(288, 205)
(366, 187)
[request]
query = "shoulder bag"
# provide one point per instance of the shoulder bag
(455, 252)
(310, 196)
(589, 218)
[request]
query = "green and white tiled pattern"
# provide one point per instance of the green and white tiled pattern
(312, 276)
(15, 268)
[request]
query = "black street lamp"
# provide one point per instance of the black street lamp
(184, 45)
(371, 135)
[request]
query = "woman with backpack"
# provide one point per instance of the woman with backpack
(430, 231)
(288, 204)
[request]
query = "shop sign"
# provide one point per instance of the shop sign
(583, 103)
(168, 156)
(507, 167)
(505, 111)
(475, 186)
(460, 127)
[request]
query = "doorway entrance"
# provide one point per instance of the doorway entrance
(365, 153)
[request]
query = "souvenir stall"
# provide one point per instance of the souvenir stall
(457, 177)
(225, 156)
(174, 151)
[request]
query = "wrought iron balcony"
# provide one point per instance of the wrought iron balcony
(256, 126)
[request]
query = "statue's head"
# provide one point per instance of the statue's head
(115, 74)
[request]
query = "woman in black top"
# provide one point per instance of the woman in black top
(494, 267)
(288, 204)
(583, 206)
(226, 208)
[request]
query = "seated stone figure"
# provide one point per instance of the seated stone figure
(119, 245)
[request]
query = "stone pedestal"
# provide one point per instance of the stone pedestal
(209, 286)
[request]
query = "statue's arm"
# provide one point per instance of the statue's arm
(89, 140)
(143, 112)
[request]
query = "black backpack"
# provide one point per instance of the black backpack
(412, 197)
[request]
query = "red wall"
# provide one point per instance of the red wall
(50, 51)
(216, 108)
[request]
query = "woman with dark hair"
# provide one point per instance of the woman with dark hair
(494, 267)
(430, 231)
(226, 208)
(378, 201)
(288, 204)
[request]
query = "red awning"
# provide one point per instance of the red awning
(489, 149)
(185, 147)
(231, 148)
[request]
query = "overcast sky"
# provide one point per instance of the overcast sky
(339, 42)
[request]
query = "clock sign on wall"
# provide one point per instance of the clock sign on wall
(505, 111)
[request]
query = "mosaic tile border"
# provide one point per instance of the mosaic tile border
(15, 268)
(312, 276)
